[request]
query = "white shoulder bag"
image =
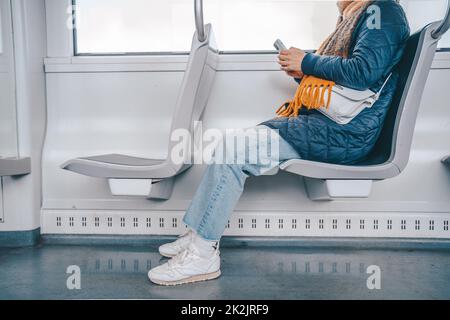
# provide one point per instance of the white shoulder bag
(347, 103)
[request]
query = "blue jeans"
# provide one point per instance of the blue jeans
(223, 185)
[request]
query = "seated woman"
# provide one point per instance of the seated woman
(360, 54)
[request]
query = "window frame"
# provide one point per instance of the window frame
(113, 54)
(62, 56)
(151, 53)
(175, 53)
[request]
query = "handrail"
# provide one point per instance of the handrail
(444, 26)
(200, 26)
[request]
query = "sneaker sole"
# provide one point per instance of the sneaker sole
(199, 278)
(167, 255)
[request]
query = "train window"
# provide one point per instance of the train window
(156, 26)
(422, 12)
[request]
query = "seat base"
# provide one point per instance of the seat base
(149, 188)
(326, 171)
(327, 190)
(14, 166)
(117, 166)
(272, 172)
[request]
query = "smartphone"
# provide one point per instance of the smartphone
(279, 45)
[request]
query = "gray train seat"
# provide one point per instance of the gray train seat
(154, 178)
(391, 154)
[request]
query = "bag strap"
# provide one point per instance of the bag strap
(383, 86)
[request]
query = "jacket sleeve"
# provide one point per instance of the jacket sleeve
(375, 52)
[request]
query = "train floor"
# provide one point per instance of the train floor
(120, 272)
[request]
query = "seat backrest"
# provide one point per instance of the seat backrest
(394, 144)
(197, 83)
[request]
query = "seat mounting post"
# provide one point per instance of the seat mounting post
(149, 188)
(327, 190)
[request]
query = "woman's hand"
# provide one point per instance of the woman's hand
(291, 62)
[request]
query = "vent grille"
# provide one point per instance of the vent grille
(246, 224)
(403, 226)
(294, 224)
(267, 224)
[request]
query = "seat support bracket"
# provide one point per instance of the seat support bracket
(149, 188)
(327, 190)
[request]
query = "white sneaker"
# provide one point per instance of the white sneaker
(173, 249)
(187, 267)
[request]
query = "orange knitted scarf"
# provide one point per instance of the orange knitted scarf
(312, 90)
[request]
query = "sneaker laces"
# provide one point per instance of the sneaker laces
(187, 233)
(177, 243)
(182, 257)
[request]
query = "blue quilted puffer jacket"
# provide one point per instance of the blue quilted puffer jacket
(373, 54)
